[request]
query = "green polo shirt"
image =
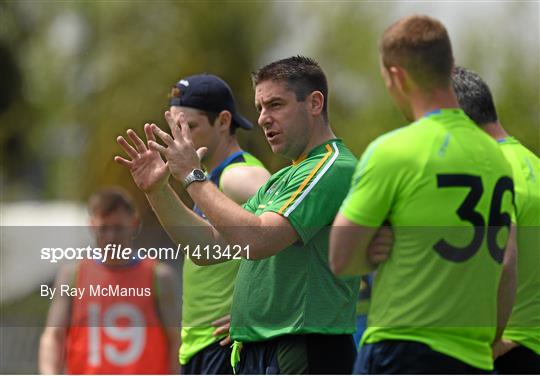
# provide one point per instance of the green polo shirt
(294, 291)
(444, 185)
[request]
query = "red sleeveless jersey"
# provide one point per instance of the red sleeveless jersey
(115, 327)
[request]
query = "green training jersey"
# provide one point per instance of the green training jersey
(208, 290)
(446, 188)
(524, 324)
(294, 291)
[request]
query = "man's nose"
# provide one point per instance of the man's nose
(264, 119)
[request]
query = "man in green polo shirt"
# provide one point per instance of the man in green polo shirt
(290, 314)
(519, 349)
(446, 189)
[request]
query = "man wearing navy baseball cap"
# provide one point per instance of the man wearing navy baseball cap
(208, 105)
(208, 93)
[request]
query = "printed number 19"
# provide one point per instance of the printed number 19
(134, 333)
(467, 212)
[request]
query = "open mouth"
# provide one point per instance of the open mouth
(270, 135)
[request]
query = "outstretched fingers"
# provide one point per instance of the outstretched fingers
(139, 144)
(127, 147)
(123, 162)
(153, 145)
(148, 132)
(165, 137)
(186, 132)
(175, 130)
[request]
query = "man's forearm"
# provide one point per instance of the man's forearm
(349, 247)
(181, 223)
(235, 224)
(507, 284)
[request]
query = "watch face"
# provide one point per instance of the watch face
(199, 175)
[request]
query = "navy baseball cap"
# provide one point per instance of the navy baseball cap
(208, 93)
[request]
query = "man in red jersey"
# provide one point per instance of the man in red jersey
(108, 315)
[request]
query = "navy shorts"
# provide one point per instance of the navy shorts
(408, 357)
(212, 360)
(298, 354)
(519, 360)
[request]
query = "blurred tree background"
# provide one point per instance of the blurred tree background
(82, 73)
(76, 74)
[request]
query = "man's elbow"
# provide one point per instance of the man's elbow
(348, 263)
(259, 252)
(342, 267)
(340, 257)
(337, 264)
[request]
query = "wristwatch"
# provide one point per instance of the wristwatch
(195, 175)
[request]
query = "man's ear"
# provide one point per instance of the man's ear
(399, 78)
(315, 101)
(224, 120)
(385, 75)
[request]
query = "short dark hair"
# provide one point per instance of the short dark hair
(421, 45)
(303, 76)
(474, 96)
(109, 200)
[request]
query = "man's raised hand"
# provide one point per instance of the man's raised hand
(179, 151)
(148, 170)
